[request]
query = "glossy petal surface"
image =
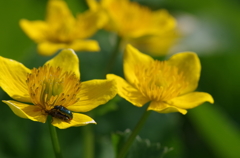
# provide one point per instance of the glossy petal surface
(31, 112)
(67, 60)
(78, 120)
(191, 100)
(128, 92)
(13, 76)
(187, 63)
(132, 57)
(94, 93)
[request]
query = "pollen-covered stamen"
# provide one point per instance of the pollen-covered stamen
(159, 81)
(50, 86)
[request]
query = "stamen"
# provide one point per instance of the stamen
(159, 81)
(49, 86)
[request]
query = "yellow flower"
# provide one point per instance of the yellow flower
(168, 85)
(138, 25)
(62, 30)
(56, 83)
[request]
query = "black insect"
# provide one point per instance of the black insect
(61, 112)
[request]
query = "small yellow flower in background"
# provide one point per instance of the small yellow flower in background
(168, 85)
(151, 31)
(53, 89)
(62, 30)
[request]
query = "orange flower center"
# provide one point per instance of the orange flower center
(159, 81)
(50, 86)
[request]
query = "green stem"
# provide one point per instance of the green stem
(114, 55)
(133, 135)
(88, 141)
(55, 142)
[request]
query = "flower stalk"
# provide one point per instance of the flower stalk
(55, 142)
(88, 141)
(123, 151)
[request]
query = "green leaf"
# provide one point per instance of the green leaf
(141, 148)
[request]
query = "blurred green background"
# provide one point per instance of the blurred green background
(210, 28)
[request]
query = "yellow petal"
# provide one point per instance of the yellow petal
(36, 30)
(57, 11)
(128, 19)
(85, 45)
(89, 22)
(13, 76)
(191, 100)
(78, 120)
(67, 60)
(106, 3)
(31, 112)
(93, 4)
(189, 64)
(128, 92)
(94, 93)
(162, 107)
(132, 57)
(48, 48)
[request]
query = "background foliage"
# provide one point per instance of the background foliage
(210, 28)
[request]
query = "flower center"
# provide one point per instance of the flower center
(50, 86)
(159, 81)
